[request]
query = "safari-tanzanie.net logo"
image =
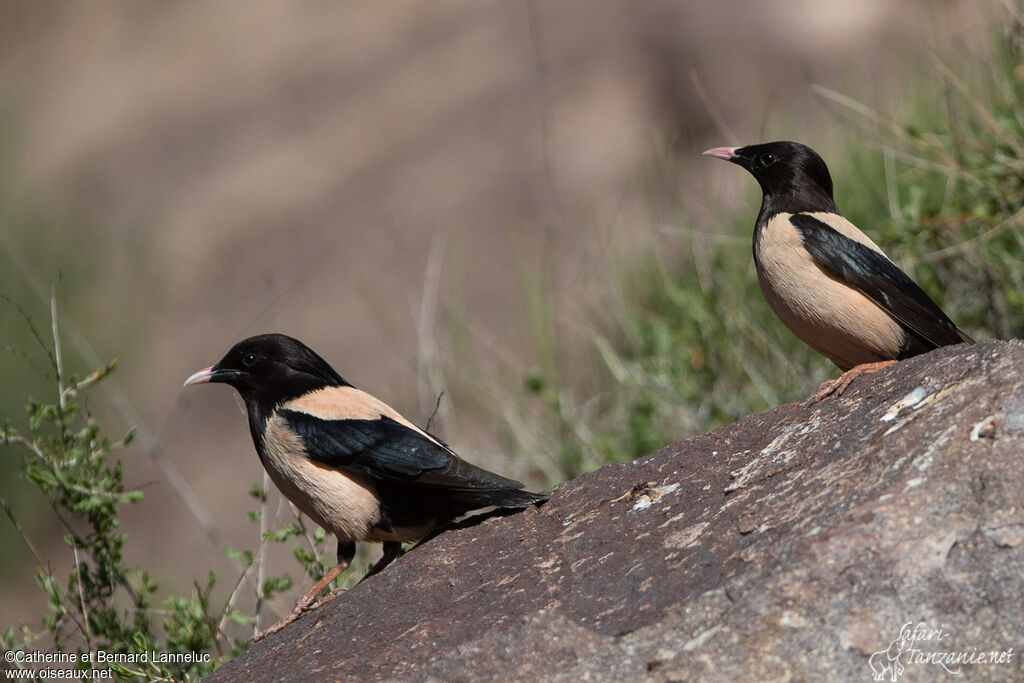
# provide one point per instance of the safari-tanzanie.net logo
(924, 646)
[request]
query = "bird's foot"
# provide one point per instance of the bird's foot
(838, 385)
(307, 603)
(296, 612)
(324, 600)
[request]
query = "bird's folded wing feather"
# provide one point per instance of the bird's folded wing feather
(877, 278)
(389, 450)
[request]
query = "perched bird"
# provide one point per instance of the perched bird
(824, 278)
(348, 461)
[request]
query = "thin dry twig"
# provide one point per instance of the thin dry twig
(261, 554)
(225, 614)
(81, 595)
(867, 113)
(431, 374)
(21, 531)
(28, 321)
(979, 108)
(433, 413)
(712, 109)
(89, 380)
(58, 357)
(961, 247)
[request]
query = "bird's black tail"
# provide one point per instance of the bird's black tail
(500, 504)
(473, 485)
(512, 498)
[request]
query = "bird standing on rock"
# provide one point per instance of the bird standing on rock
(825, 279)
(348, 461)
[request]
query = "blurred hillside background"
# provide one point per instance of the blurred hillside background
(457, 197)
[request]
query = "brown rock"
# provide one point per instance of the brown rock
(790, 545)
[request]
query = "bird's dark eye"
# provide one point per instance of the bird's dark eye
(249, 360)
(766, 159)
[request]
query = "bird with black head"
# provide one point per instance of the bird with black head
(348, 461)
(824, 278)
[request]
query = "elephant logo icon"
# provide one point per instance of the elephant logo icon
(885, 664)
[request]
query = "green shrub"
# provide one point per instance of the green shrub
(103, 604)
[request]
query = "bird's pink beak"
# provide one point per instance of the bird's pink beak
(201, 377)
(724, 153)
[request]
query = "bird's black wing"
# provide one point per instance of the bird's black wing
(879, 279)
(385, 449)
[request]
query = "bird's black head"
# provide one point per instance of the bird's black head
(787, 171)
(270, 369)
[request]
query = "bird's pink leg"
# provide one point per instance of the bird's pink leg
(838, 385)
(305, 603)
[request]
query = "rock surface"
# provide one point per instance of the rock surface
(790, 545)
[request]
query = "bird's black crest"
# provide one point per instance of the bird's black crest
(272, 368)
(792, 176)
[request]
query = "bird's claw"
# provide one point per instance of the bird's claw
(838, 385)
